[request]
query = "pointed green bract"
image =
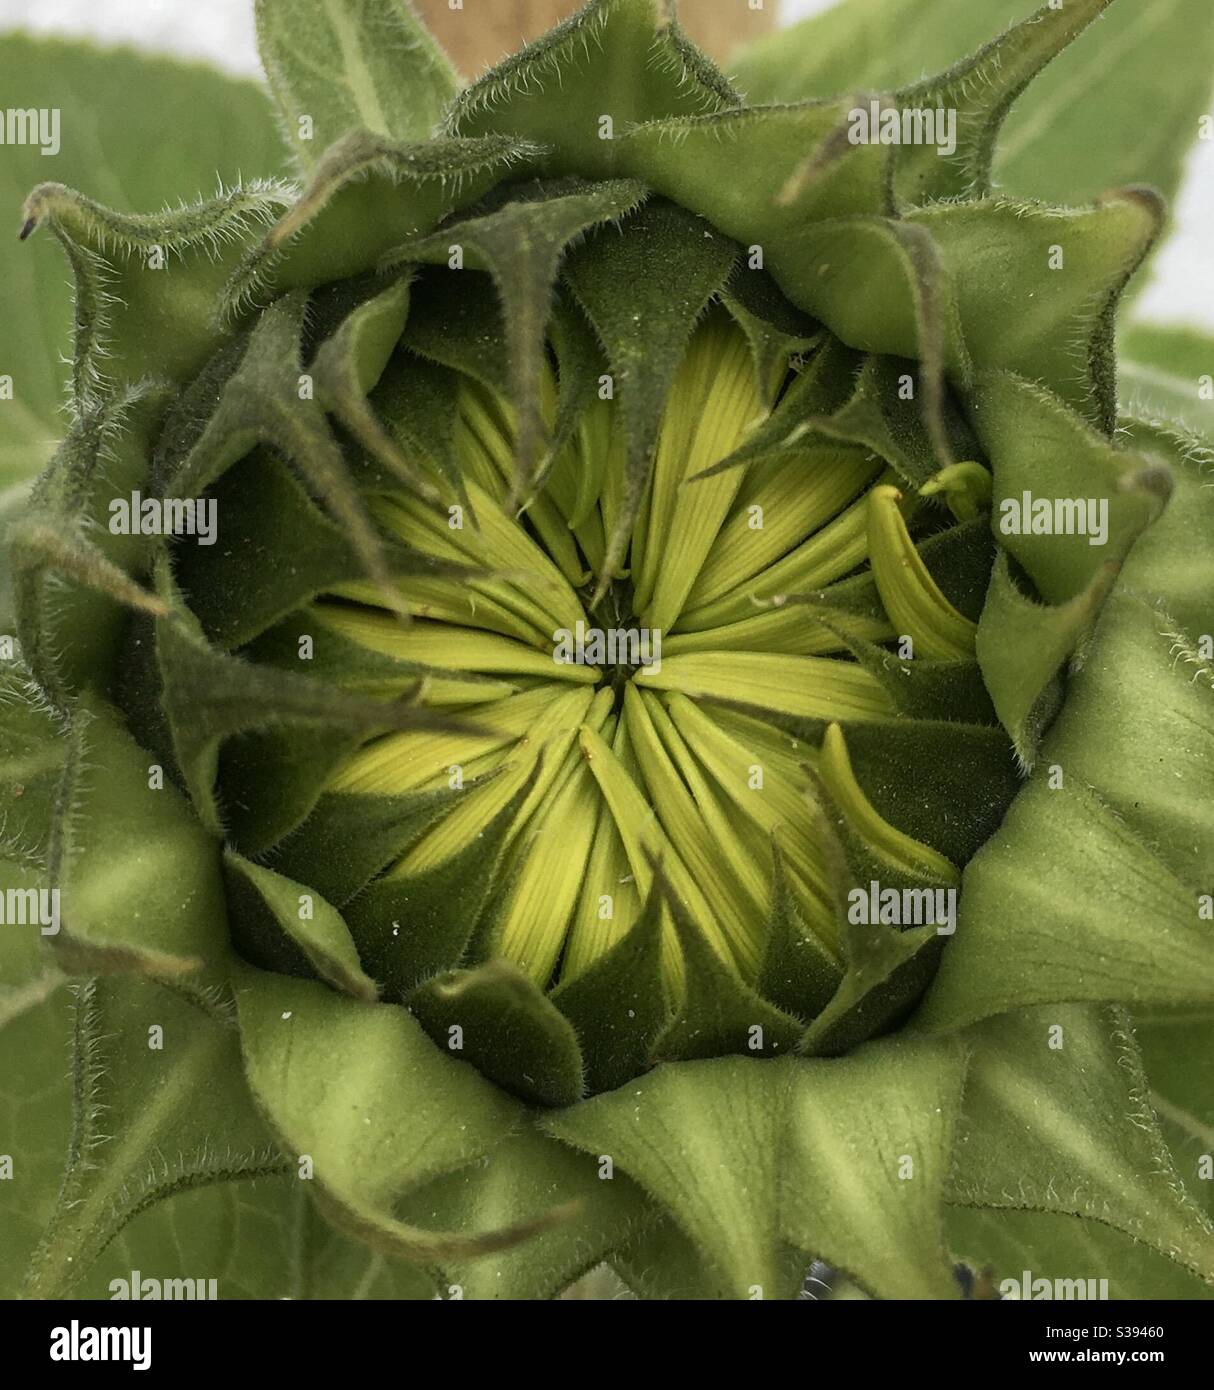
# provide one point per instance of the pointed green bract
(292, 928)
(367, 1140)
(335, 66)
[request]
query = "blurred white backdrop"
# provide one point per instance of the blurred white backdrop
(221, 32)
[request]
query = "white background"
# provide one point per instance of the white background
(221, 32)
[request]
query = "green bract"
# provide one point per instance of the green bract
(532, 641)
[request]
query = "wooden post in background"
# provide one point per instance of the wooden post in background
(485, 31)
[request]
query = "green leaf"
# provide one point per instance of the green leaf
(618, 59)
(1022, 644)
(147, 285)
(1178, 1053)
(159, 1106)
(33, 746)
(33, 749)
(35, 1120)
(263, 1239)
(1001, 1245)
(786, 168)
(981, 91)
(1081, 128)
(866, 1164)
(341, 65)
(115, 148)
(685, 1133)
(365, 193)
(869, 46)
(297, 931)
(1168, 373)
(267, 515)
(1057, 1119)
(815, 1140)
(73, 580)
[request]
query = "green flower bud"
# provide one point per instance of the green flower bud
(593, 583)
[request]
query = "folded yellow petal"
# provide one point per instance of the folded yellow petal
(645, 843)
(417, 760)
(709, 861)
(796, 629)
(470, 603)
(902, 850)
(912, 598)
(549, 878)
(966, 487)
(472, 815)
(774, 802)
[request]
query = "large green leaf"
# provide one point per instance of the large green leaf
(1178, 1052)
(257, 1240)
(868, 45)
(1001, 1245)
(114, 109)
(35, 1122)
(1120, 107)
(140, 878)
(159, 1106)
(519, 1181)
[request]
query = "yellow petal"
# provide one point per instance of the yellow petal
(826, 556)
(713, 405)
(416, 759)
(781, 502)
(550, 878)
(811, 687)
(772, 801)
(709, 861)
(645, 841)
(448, 647)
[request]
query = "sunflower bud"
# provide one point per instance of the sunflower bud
(591, 580)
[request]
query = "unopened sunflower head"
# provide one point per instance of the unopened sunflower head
(626, 616)
(589, 636)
